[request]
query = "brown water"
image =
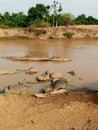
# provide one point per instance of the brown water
(84, 55)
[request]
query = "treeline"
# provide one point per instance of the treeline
(43, 16)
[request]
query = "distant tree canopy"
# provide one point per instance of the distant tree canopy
(83, 20)
(43, 16)
(39, 12)
(14, 20)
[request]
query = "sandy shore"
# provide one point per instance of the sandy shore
(73, 111)
(79, 31)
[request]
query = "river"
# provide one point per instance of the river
(83, 53)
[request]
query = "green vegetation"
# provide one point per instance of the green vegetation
(39, 23)
(44, 16)
(68, 34)
(39, 32)
(83, 20)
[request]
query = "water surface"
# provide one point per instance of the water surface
(84, 55)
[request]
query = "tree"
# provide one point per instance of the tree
(81, 19)
(91, 20)
(1, 18)
(65, 19)
(18, 20)
(39, 12)
(56, 10)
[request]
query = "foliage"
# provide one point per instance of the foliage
(39, 23)
(65, 19)
(56, 10)
(39, 32)
(83, 20)
(39, 12)
(68, 34)
(14, 20)
(44, 16)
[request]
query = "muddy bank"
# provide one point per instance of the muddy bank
(79, 31)
(74, 111)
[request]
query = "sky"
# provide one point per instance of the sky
(76, 7)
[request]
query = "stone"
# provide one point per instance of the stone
(57, 85)
(7, 72)
(61, 91)
(44, 77)
(54, 75)
(40, 95)
(72, 73)
(31, 70)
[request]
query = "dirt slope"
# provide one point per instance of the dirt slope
(74, 111)
(80, 31)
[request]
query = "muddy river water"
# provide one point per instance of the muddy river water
(83, 53)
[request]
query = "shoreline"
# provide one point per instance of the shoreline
(79, 31)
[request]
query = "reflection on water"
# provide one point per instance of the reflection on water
(84, 55)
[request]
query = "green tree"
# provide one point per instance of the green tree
(65, 19)
(39, 12)
(18, 20)
(81, 19)
(7, 19)
(1, 18)
(91, 20)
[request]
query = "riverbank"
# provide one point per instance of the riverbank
(71, 111)
(79, 32)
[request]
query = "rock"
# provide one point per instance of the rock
(72, 73)
(44, 77)
(61, 91)
(40, 95)
(26, 58)
(31, 70)
(60, 59)
(54, 75)
(57, 85)
(7, 72)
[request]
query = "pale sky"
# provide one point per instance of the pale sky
(76, 7)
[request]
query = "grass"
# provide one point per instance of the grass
(69, 35)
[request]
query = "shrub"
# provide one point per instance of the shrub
(4, 26)
(68, 34)
(39, 23)
(39, 32)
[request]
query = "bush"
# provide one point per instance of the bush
(4, 26)
(39, 23)
(68, 34)
(39, 32)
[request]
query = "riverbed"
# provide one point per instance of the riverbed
(83, 53)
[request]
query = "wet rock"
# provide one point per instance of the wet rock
(25, 58)
(54, 75)
(7, 72)
(31, 70)
(60, 59)
(57, 85)
(61, 91)
(43, 77)
(72, 73)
